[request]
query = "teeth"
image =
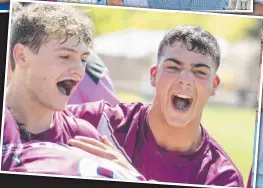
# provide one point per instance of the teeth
(183, 96)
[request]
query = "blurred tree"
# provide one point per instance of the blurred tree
(255, 31)
(114, 19)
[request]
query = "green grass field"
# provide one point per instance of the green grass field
(232, 128)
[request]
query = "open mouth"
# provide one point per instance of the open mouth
(181, 102)
(65, 87)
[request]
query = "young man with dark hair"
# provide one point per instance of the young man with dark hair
(165, 141)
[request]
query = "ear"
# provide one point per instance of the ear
(216, 83)
(19, 56)
(153, 75)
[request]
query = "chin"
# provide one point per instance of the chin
(59, 107)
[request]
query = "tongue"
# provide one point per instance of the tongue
(62, 90)
(180, 104)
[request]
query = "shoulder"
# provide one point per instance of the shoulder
(11, 130)
(91, 111)
(223, 171)
(84, 128)
(121, 114)
(122, 120)
(11, 140)
(120, 124)
(102, 114)
(75, 126)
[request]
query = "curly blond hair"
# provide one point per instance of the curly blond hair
(37, 23)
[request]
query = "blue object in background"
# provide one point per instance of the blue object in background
(102, 2)
(259, 179)
(189, 4)
(4, 6)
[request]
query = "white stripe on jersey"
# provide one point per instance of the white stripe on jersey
(105, 129)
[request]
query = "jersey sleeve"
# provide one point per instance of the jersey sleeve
(91, 112)
(11, 142)
(11, 131)
(118, 123)
(228, 177)
(101, 113)
(84, 128)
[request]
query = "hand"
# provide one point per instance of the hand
(104, 149)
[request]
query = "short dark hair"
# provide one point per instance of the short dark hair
(195, 39)
(35, 24)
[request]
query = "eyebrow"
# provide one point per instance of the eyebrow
(72, 50)
(193, 65)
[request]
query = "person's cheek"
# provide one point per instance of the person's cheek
(204, 90)
(163, 87)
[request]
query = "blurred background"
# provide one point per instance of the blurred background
(127, 40)
(232, 4)
(240, 4)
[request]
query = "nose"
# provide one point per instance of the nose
(78, 70)
(185, 78)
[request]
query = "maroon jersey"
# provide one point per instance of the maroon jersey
(126, 125)
(55, 158)
(64, 127)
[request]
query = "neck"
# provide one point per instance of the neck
(180, 139)
(27, 110)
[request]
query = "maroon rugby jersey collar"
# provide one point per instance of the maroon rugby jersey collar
(52, 133)
(178, 158)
